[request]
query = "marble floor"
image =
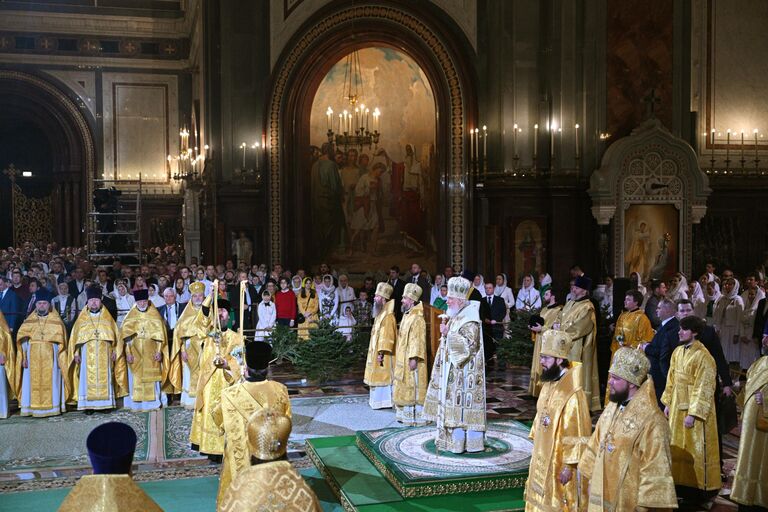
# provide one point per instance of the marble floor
(338, 408)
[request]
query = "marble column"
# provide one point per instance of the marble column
(191, 220)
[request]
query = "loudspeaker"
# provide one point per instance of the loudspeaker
(621, 285)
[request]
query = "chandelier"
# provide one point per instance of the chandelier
(353, 127)
(189, 162)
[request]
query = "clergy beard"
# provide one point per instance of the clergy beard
(551, 373)
(405, 308)
(377, 309)
(142, 310)
(42, 312)
(618, 397)
(94, 311)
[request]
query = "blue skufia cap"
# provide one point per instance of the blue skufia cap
(110, 448)
(43, 294)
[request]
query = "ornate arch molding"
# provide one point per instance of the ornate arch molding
(453, 113)
(650, 166)
(81, 153)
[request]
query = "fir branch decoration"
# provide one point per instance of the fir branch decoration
(326, 355)
(516, 349)
(284, 341)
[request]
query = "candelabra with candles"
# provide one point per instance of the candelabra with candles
(245, 172)
(734, 141)
(190, 162)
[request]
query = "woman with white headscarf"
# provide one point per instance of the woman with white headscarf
(328, 298)
(712, 296)
(544, 280)
(698, 301)
(750, 347)
(479, 284)
(296, 285)
(528, 297)
(503, 290)
(727, 320)
(154, 296)
(435, 290)
(678, 288)
(123, 301)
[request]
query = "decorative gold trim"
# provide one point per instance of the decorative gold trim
(332, 483)
(456, 131)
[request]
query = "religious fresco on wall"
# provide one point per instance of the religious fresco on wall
(374, 207)
(529, 248)
(651, 240)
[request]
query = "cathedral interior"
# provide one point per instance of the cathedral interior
(493, 136)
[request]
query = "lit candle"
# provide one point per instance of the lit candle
(742, 147)
(477, 144)
(727, 146)
(514, 140)
(244, 146)
(357, 119)
(485, 144)
(367, 118)
(535, 140)
(340, 123)
(346, 120)
(256, 147)
(329, 113)
(471, 145)
(757, 158)
(552, 141)
(712, 147)
(577, 140)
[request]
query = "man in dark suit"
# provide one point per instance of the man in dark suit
(398, 286)
(658, 291)
(9, 304)
(77, 284)
(492, 313)
(659, 350)
(417, 278)
(761, 315)
(170, 312)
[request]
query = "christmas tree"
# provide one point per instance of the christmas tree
(327, 354)
(516, 348)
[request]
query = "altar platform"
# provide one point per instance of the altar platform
(396, 469)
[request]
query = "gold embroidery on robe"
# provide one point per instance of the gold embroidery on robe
(577, 318)
(383, 339)
(560, 432)
(750, 481)
(231, 416)
(627, 460)
(549, 314)
(8, 351)
(632, 329)
(99, 332)
(108, 493)
(269, 486)
(144, 336)
(205, 433)
(42, 333)
(192, 326)
(411, 343)
(690, 391)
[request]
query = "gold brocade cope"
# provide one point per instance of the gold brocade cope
(8, 351)
(411, 344)
(549, 314)
(231, 415)
(99, 332)
(690, 391)
(269, 487)
(383, 339)
(750, 481)
(627, 460)
(205, 433)
(144, 336)
(308, 306)
(560, 432)
(577, 318)
(108, 493)
(42, 333)
(193, 326)
(632, 329)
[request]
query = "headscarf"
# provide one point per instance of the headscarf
(296, 289)
(326, 289)
(680, 291)
(543, 281)
(640, 286)
(528, 297)
(697, 297)
(480, 287)
(735, 291)
(716, 295)
(499, 289)
(156, 299)
(435, 292)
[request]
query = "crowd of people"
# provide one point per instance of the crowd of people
(139, 333)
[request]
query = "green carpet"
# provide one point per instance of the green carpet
(186, 495)
(177, 422)
(361, 487)
(59, 441)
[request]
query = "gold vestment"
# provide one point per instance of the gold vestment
(560, 432)
(8, 351)
(383, 339)
(42, 333)
(410, 389)
(231, 415)
(193, 326)
(627, 460)
(632, 329)
(205, 433)
(144, 335)
(108, 493)
(690, 391)
(549, 314)
(577, 318)
(99, 332)
(269, 487)
(309, 307)
(750, 481)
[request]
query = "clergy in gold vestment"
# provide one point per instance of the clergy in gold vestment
(145, 338)
(689, 399)
(96, 374)
(410, 378)
(627, 461)
(750, 481)
(577, 318)
(270, 484)
(548, 314)
(456, 393)
(378, 364)
(189, 336)
(7, 367)
(237, 405)
(632, 327)
(560, 430)
(41, 353)
(220, 367)
(110, 488)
